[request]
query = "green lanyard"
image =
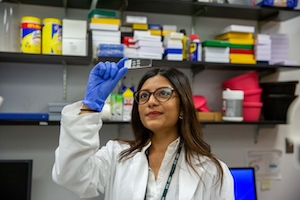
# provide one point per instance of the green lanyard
(163, 197)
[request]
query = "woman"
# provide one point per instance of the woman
(168, 158)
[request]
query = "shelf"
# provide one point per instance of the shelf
(180, 7)
(230, 11)
(44, 59)
(197, 67)
(16, 57)
(261, 68)
(57, 123)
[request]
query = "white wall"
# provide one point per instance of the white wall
(29, 88)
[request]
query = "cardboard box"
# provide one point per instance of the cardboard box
(74, 29)
(74, 47)
(209, 116)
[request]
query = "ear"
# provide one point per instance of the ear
(181, 113)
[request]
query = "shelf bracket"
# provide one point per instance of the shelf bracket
(64, 81)
(93, 4)
(196, 14)
(258, 127)
(256, 132)
(65, 4)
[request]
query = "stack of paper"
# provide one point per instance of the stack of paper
(279, 48)
(262, 48)
(215, 51)
(147, 45)
(105, 31)
(173, 46)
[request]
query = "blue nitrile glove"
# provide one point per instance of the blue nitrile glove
(102, 80)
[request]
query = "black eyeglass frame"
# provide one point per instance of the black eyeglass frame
(136, 98)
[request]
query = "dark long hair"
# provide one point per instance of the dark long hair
(189, 127)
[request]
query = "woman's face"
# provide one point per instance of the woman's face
(159, 116)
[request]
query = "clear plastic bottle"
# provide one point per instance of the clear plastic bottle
(9, 26)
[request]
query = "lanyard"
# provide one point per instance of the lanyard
(163, 197)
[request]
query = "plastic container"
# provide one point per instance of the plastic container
(9, 26)
(252, 95)
(233, 105)
(200, 103)
(52, 36)
(279, 87)
(252, 111)
(30, 35)
(247, 81)
(276, 106)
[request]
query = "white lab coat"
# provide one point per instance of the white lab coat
(83, 168)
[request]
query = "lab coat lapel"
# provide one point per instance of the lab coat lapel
(141, 170)
(188, 181)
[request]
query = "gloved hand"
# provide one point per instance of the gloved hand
(102, 80)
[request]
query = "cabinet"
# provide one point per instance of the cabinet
(188, 8)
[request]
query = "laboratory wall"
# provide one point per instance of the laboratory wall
(30, 87)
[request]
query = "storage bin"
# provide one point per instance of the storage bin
(247, 81)
(200, 103)
(279, 87)
(252, 111)
(276, 106)
(252, 95)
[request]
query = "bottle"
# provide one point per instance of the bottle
(195, 48)
(9, 26)
(127, 104)
(185, 45)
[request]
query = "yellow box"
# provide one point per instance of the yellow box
(155, 32)
(241, 56)
(106, 21)
(234, 35)
(166, 32)
(240, 41)
(137, 26)
(242, 61)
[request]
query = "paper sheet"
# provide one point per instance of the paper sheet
(266, 163)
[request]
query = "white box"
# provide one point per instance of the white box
(74, 29)
(74, 47)
(130, 19)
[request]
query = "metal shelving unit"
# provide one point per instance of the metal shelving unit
(179, 7)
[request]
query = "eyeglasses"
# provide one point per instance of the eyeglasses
(161, 94)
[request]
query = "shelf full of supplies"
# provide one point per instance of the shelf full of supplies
(199, 66)
(16, 57)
